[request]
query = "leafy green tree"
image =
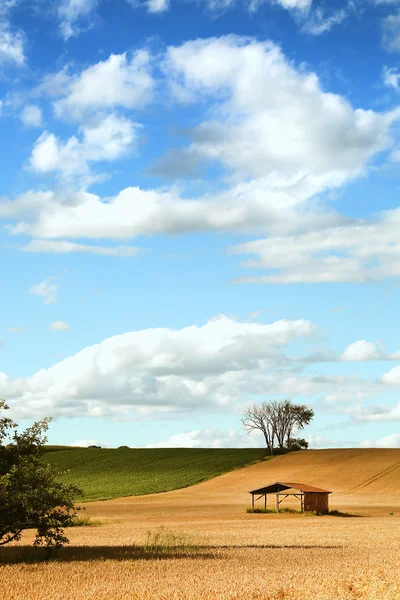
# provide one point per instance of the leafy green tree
(31, 494)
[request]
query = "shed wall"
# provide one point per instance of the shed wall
(316, 501)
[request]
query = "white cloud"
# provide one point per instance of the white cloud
(162, 369)
(361, 251)
(270, 117)
(391, 32)
(157, 6)
(319, 22)
(31, 116)
(392, 376)
(391, 77)
(294, 4)
(64, 247)
(71, 12)
(320, 441)
(212, 438)
(361, 350)
(46, 290)
(268, 120)
(377, 412)
(120, 81)
(106, 139)
(389, 441)
(331, 250)
(87, 443)
(15, 329)
(59, 326)
(54, 84)
(253, 206)
(11, 45)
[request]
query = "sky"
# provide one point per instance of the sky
(199, 211)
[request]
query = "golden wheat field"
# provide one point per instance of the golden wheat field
(210, 548)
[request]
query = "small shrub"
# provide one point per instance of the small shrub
(163, 539)
(123, 448)
(86, 522)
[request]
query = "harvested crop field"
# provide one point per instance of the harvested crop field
(211, 548)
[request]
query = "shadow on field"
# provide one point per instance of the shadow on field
(29, 554)
(338, 513)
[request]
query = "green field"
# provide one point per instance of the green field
(113, 473)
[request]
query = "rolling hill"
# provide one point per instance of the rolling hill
(112, 473)
(361, 480)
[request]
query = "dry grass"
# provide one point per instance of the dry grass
(210, 548)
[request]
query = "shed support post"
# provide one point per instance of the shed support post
(252, 501)
(277, 502)
(265, 501)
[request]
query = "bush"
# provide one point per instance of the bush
(163, 539)
(85, 522)
(297, 444)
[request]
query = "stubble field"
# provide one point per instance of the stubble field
(217, 550)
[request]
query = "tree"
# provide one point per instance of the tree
(277, 420)
(31, 494)
(261, 418)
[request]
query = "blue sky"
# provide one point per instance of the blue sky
(199, 209)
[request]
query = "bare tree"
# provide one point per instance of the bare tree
(277, 420)
(259, 418)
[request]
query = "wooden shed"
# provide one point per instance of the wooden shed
(311, 498)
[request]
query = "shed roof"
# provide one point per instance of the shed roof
(280, 486)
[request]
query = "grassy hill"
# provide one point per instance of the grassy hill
(113, 473)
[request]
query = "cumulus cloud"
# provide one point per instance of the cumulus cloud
(361, 350)
(268, 116)
(106, 139)
(392, 376)
(46, 290)
(31, 116)
(214, 366)
(264, 205)
(268, 120)
(59, 326)
(123, 80)
(212, 438)
(71, 13)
